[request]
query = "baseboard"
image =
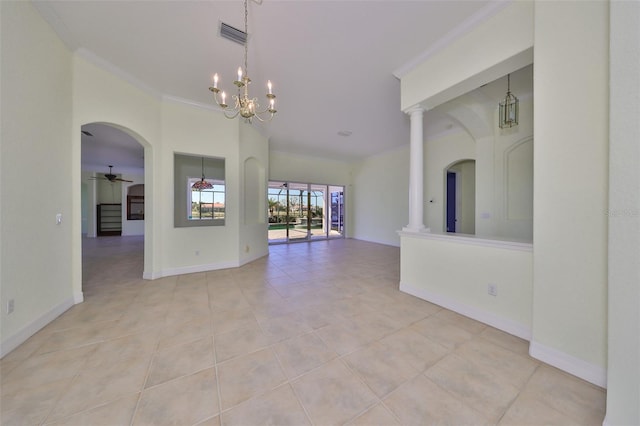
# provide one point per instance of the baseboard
(169, 272)
(489, 318)
(371, 240)
(572, 365)
(12, 342)
(252, 258)
(565, 362)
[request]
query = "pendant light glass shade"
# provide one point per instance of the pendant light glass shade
(508, 114)
(201, 184)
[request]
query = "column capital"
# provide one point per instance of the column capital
(414, 109)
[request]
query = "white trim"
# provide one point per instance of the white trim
(572, 365)
(190, 270)
(78, 297)
(466, 26)
(470, 240)
(489, 318)
(12, 342)
(184, 101)
(252, 258)
(373, 240)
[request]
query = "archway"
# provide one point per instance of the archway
(113, 163)
(460, 196)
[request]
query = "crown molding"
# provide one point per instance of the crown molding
(184, 101)
(105, 65)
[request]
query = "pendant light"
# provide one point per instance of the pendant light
(201, 184)
(508, 116)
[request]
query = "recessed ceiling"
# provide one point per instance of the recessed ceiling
(331, 62)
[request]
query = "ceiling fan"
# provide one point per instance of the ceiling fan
(110, 177)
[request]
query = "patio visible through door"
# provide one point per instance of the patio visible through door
(304, 211)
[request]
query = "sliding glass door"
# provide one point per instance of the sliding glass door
(303, 212)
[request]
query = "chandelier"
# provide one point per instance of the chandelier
(244, 106)
(508, 116)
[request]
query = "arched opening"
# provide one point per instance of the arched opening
(460, 196)
(113, 210)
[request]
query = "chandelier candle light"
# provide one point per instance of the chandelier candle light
(245, 106)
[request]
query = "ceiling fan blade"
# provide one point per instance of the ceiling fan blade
(123, 180)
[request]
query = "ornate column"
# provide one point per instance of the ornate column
(416, 171)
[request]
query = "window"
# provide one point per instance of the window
(204, 206)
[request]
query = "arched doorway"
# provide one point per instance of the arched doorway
(114, 236)
(460, 196)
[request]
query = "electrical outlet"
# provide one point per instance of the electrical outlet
(10, 306)
(197, 252)
(492, 289)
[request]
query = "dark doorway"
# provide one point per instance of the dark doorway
(451, 202)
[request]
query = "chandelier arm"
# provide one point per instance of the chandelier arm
(231, 116)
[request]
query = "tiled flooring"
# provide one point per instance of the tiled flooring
(312, 334)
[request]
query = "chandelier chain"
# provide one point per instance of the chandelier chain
(246, 31)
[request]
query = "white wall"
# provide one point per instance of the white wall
(254, 161)
(36, 129)
(380, 194)
(570, 187)
(439, 154)
(503, 174)
(299, 168)
(40, 112)
(101, 97)
(130, 227)
(623, 374)
(570, 163)
(455, 271)
(191, 130)
(511, 193)
(479, 56)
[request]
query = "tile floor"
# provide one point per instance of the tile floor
(312, 334)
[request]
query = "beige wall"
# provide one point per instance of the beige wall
(455, 272)
(623, 360)
(568, 301)
(570, 187)
(41, 140)
(381, 197)
(481, 55)
(36, 105)
(305, 169)
(254, 172)
(503, 205)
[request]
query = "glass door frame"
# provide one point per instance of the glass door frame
(286, 217)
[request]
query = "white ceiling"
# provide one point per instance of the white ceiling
(332, 63)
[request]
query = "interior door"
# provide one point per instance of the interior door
(451, 202)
